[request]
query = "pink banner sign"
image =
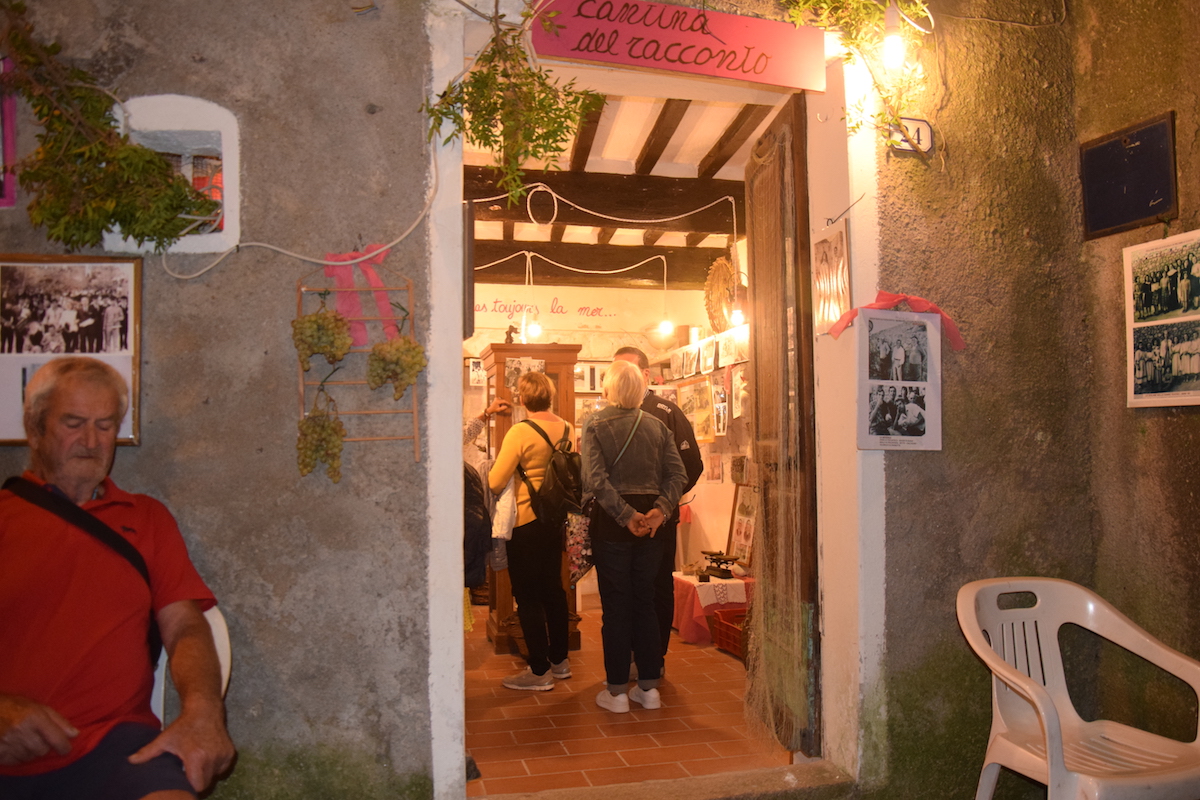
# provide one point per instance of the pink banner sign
(691, 40)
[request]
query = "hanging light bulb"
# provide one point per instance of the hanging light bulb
(893, 41)
(737, 317)
(535, 328)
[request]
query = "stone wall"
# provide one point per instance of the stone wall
(323, 585)
(1044, 471)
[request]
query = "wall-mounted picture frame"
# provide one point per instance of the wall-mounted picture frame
(1162, 322)
(477, 374)
(708, 355)
(742, 522)
(695, 400)
(899, 381)
(691, 361)
(55, 306)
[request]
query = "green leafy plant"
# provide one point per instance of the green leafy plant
(506, 103)
(861, 25)
(86, 177)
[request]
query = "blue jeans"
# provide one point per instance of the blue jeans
(626, 574)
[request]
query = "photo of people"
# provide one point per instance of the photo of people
(899, 351)
(52, 309)
(899, 390)
(1162, 321)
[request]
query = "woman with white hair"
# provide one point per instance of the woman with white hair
(632, 468)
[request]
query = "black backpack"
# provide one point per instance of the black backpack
(561, 491)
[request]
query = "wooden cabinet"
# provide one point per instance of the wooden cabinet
(504, 629)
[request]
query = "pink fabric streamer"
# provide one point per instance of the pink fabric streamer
(348, 303)
(918, 304)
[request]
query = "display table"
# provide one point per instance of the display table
(695, 601)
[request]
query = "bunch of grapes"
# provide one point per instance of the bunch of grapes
(397, 361)
(322, 332)
(321, 435)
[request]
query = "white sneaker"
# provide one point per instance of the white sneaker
(616, 703)
(648, 698)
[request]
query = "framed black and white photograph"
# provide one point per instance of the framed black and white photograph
(1162, 322)
(899, 384)
(54, 306)
(740, 543)
(514, 368)
(708, 355)
(478, 375)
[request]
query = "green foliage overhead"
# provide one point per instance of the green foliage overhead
(508, 105)
(859, 21)
(87, 178)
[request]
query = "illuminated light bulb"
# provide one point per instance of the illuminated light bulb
(534, 330)
(893, 42)
(666, 327)
(737, 317)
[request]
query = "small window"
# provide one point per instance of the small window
(200, 140)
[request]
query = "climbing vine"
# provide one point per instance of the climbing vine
(861, 25)
(86, 177)
(505, 102)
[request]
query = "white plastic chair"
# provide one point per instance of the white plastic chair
(220, 634)
(1035, 728)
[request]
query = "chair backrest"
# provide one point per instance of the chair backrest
(220, 634)
(1021, 618)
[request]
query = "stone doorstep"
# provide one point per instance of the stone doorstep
(813, 780)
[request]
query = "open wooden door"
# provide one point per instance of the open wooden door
(784, 688)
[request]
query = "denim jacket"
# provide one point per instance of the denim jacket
(651, 463)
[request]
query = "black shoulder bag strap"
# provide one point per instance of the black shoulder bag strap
(66, 510)
(521, 471)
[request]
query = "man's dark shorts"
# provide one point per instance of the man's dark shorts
(105, 773)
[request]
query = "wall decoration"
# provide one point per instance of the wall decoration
(741, 525)
(737, 469)
(1162, 322)
(830, 277)
(585, 407)
(1128, 177)
(589, 376)
(691, 361)
(708, 355)
(677, 364)
(714, 467)
(514, 368)
(739, 391)
(667, 393)
(478, 375)
(720, 418)
(899, 383)
(67, 305)
(695, 399)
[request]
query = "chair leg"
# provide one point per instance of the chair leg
(987, 781)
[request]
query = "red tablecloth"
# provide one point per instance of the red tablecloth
(690, 613)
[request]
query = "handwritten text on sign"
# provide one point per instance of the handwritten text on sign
(687, 40)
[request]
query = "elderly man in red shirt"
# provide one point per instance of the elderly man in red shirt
(76, 616)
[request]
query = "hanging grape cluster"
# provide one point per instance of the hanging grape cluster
(321, 436)
(322, 332)
(396, 361)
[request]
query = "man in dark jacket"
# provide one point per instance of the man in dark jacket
(685, 440)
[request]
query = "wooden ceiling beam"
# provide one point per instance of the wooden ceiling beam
(556, 231)
(743, 125)
(635, 197)
(694, 239)
(582, 149)
(605, 235)
(686, 269)
(651, 235)
(660, 135)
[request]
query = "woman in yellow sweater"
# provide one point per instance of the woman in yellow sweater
(535, 550)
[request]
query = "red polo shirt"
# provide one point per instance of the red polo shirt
(74, 613)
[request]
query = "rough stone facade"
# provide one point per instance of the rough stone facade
(323, 585)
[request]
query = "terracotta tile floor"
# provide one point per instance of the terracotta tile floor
(530, 741)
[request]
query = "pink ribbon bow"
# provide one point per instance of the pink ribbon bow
(918, 304)
(348, 304)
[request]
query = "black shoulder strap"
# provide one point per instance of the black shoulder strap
(68, 511)
(541, 432)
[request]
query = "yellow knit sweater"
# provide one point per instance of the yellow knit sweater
(522, 445)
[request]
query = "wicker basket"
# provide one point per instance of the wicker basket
(729, 631)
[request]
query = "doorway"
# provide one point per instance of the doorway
(789, 460)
